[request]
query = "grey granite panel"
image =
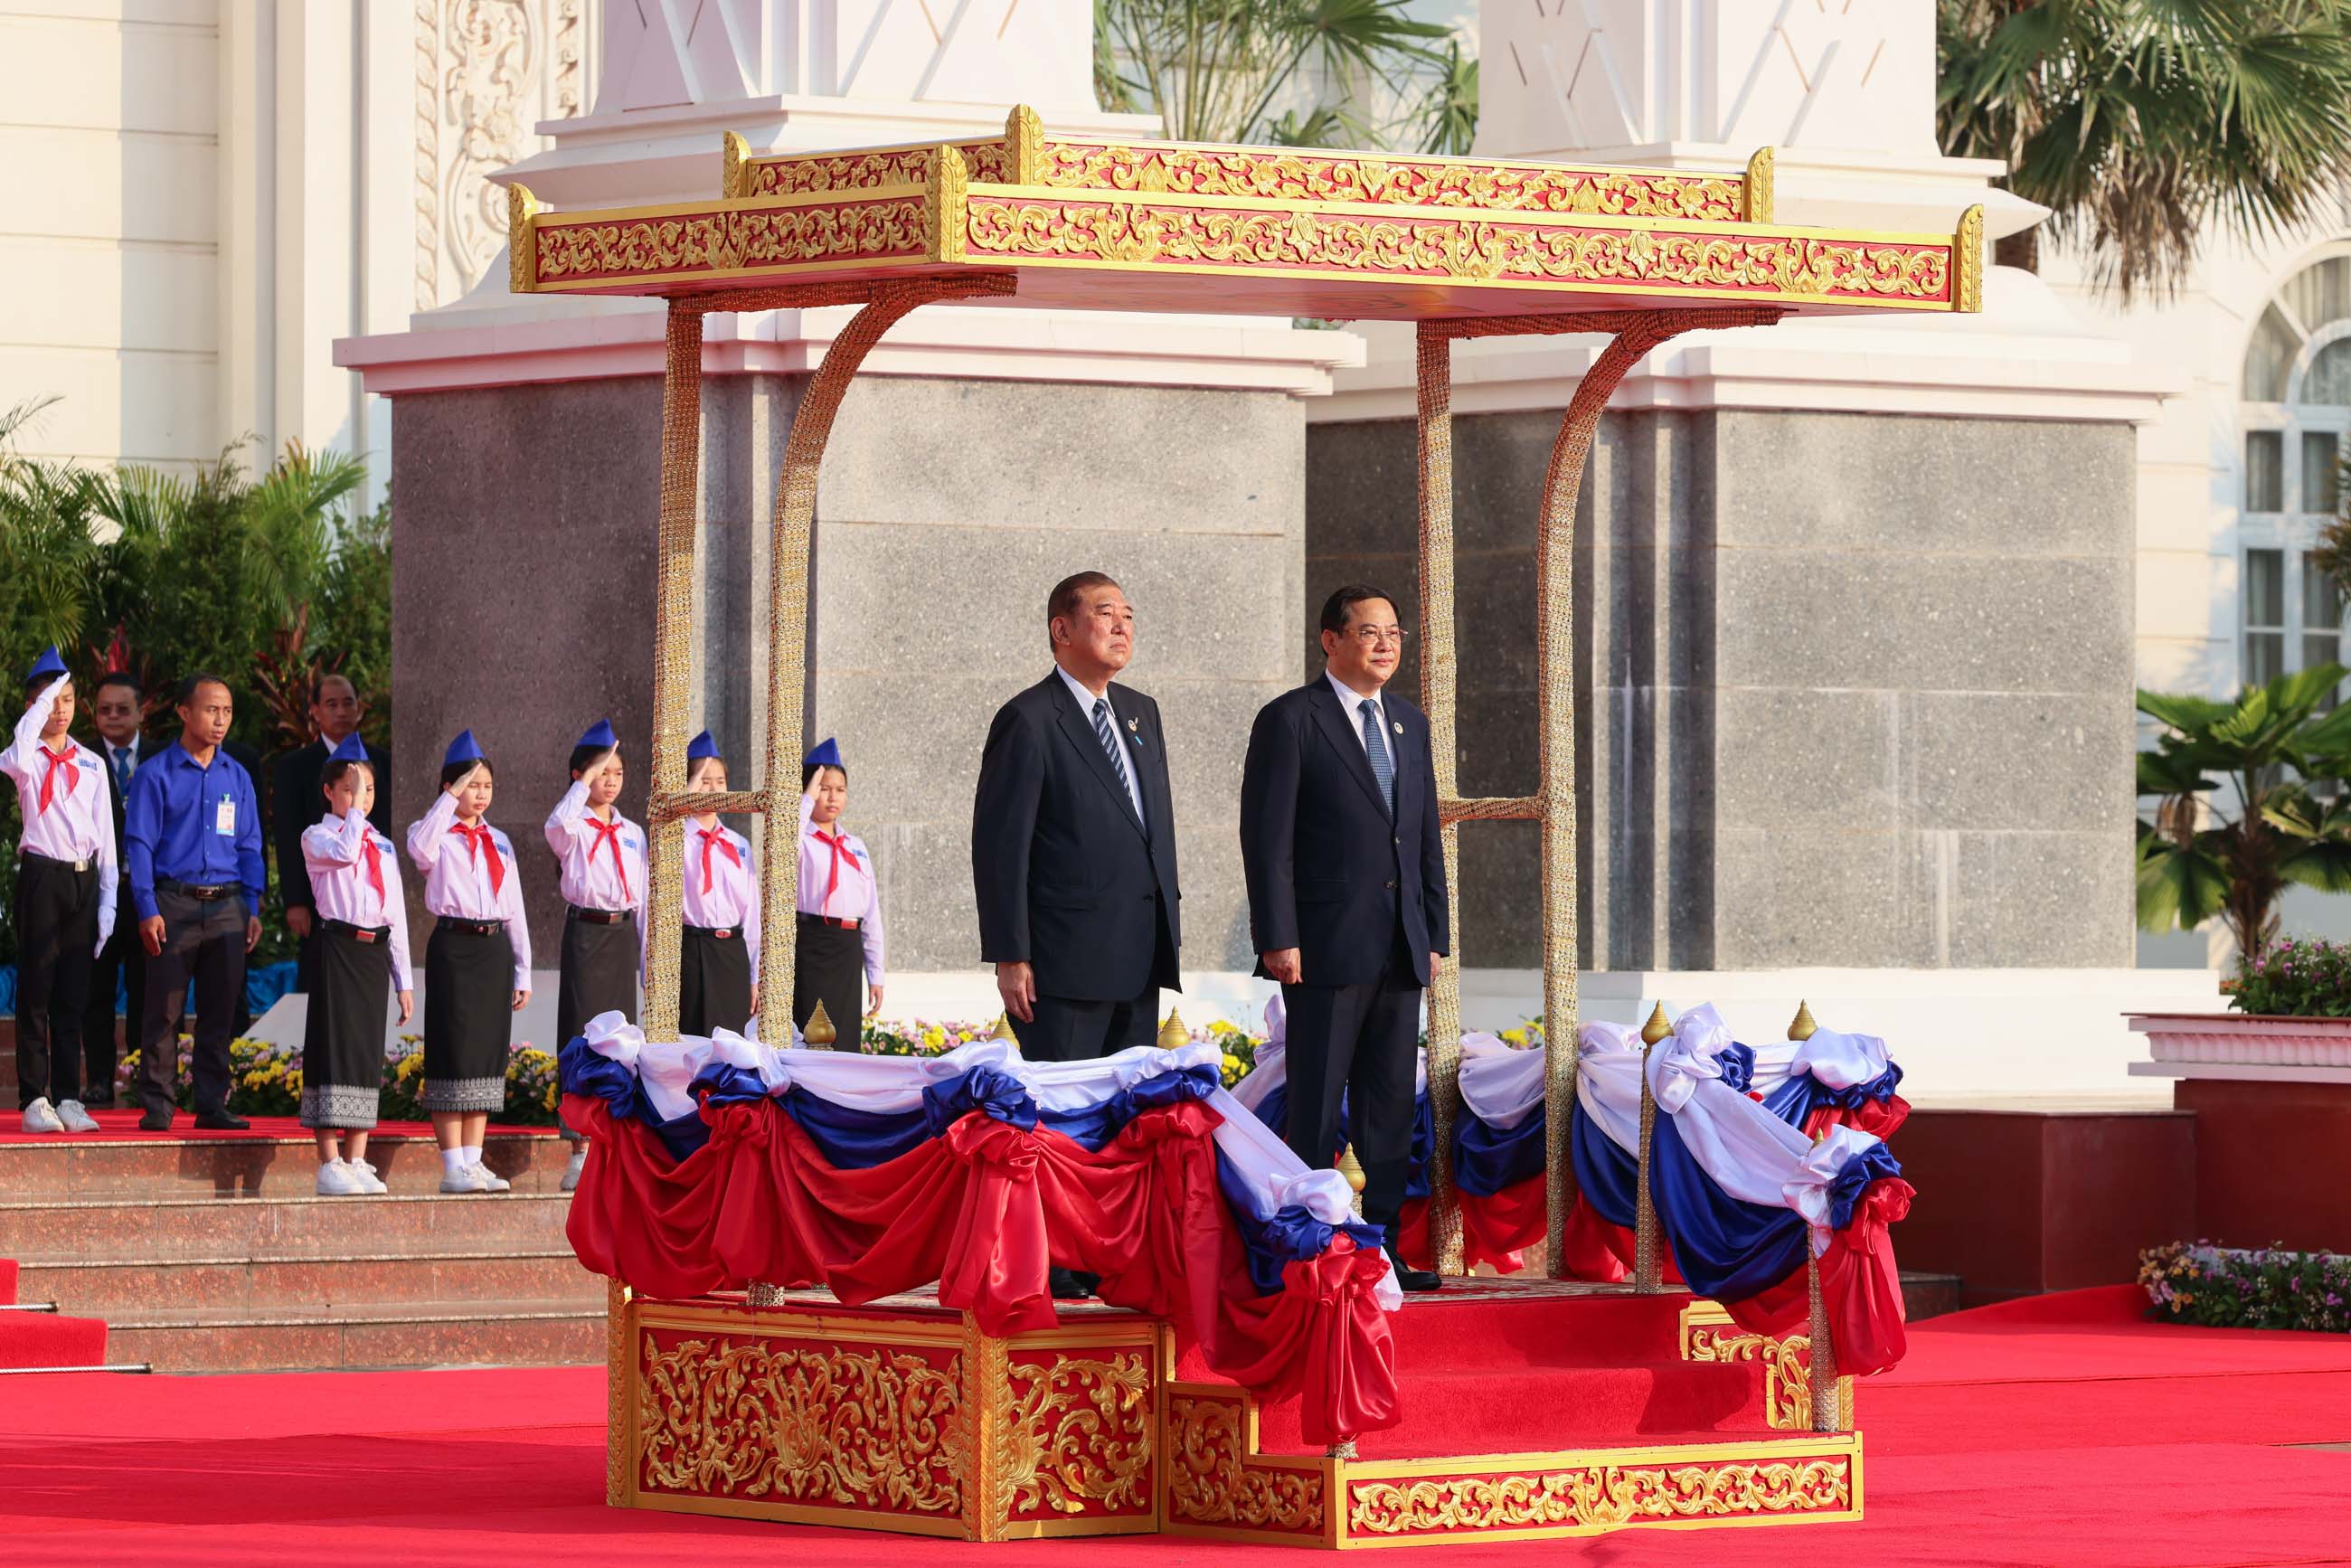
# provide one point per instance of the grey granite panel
(2002, 761)
(2028, 898)
(1798, 759)
(1791, 896)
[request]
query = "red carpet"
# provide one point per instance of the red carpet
(2134, 1442)
(114, 1126)
(45, 1339)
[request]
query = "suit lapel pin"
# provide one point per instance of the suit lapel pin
(1399, 729)
(1134, 733)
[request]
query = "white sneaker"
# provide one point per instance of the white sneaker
(466, 1178)
(578, 1163)
(337, 1179)
(497, 1183)
(40, 1118)
(372, 1183)
(75, 1119)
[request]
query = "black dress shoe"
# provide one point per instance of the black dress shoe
(155, 1122)
(221, 1121)
(1069, 1285)
(1411, 1279)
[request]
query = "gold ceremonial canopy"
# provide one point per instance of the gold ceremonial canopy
(1164, 226)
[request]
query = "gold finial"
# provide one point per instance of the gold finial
(1024, 146)
(1968, 261)
(1353, 1169)
(734, 165)
(1003, 1030)
(1801, 1025)
(943, 203)
(1172, 1034)
(819, 1029)
(1755, 192)
(1658, 1027)
(522, 239)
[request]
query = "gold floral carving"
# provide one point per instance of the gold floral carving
(1970, 250)
(1599, 1496)
(805, 174)
(725, 241)
(1211, 1481)
(1302, 176)
(1787, 1391)
(943, 206)
(1473, 250)
(828, 1424)
(1075, 1437)
(522, 239)
(1756, 195)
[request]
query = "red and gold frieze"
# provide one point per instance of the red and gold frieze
(1709, 1335)
(1218, 1485)
(857, 168)
(698, 243)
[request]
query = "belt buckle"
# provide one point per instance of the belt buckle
(81, 865)
(723, 932)
(363, 932)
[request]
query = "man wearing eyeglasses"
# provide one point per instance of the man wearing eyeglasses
(1346, 891)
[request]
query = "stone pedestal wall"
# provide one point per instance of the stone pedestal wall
(524, 531)
(1854, 690)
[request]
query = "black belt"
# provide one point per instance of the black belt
(807, 919)
(358, 933)
(600, 916)
(469, 927)
(715, 932)
(83, 865)
(197, 891)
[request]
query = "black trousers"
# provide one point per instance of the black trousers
(56, 926)
(203, 939)
(126, 960)
(1067, 1030)
(1359, 1044)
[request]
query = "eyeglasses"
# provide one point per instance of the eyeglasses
(1377, 636)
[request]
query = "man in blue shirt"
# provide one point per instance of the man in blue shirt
(191, 841)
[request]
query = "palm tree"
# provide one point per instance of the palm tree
(2139, 123)
(2272, 745)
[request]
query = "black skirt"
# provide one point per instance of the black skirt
(599, 973)
(828, 963)
(342, 1036)
(469, 1019)
(713, 982)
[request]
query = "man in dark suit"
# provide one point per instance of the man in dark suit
(115, 714)
(1073, 846)
(1346, 891)
(294, 804)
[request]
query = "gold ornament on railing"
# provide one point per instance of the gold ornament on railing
(1658, 1027)
(1353, 1169)
(1003, 1030)
(818, 1030)
(1648, 1273)
(1173, 1035)
(1801, 1025)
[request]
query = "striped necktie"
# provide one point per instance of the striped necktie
(1375, 747)
(1109, 738)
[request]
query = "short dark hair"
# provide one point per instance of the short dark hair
(35, 684)
(808, 771)
(1343, 600)
(318, 685)
(120, 678)
(581, 756)
(452, 771)
(333, 773)
(186, 695)
(1066, 595)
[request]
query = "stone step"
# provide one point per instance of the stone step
(359, 1338)
(1927, 1295)
(115, 1287)
(95, 1168)
(304, 1227)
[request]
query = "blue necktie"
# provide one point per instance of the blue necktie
(1109, 738)
(121, 767)
(1375, 747)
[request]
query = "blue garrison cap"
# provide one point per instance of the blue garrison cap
(353, 750)
(465, 748)
(825, 755)
(47, 667)
(600, 734)
(700, 746)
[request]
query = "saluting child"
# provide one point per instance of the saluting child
(477, 964)
(837, 935)
(65, 896)
(603, 854)
(719, 961)
(362, 953)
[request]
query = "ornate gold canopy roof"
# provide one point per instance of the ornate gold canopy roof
(1163, 225)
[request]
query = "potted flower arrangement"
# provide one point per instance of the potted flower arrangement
(2290, 1008)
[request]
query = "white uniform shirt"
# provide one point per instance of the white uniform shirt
(730, 900)
(79, 822)
(335, 853)
(603, 862)
(459, 882)
(855, 895)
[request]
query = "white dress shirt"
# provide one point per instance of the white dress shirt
(855, 896)
(334, 852)
(79, 824)
(1086, 701)
(1351, 703)
(731, 900)
(457, 881)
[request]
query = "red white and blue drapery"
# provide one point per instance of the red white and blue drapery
(717, 1162)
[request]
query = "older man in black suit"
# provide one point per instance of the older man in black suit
(1073, 846)
(1346, 890)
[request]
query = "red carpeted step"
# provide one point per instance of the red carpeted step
(45, 1339)
(7, 1282)
(1491, 1330)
